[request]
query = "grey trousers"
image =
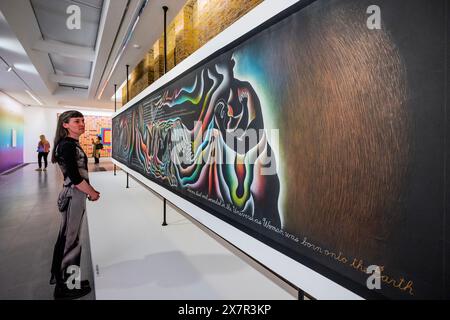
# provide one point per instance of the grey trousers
(67, 251)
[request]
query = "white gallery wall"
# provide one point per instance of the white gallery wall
(42, 120)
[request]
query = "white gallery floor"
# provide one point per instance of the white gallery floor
(134, 257)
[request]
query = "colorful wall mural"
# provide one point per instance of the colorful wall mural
(318, 136)
(11, 124)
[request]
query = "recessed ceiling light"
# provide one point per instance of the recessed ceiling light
(136, 46)
(9, 69)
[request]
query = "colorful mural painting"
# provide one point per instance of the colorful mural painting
(94, 126)
(318, 136)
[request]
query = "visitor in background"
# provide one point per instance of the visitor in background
(97, 146)
(72, 204)
(43, 149)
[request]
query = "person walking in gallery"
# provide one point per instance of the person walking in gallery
(72, 160)
(97, 146)
(43, 149)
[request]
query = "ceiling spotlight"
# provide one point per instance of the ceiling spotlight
(4, 66)
(136, 46)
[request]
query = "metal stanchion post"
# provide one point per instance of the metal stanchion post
(164, 213)
(115, 110)
(165, 8)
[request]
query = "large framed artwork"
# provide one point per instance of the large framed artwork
(320, 133)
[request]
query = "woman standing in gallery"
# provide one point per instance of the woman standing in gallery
(43, 149)
(72, 204)
(96, 148)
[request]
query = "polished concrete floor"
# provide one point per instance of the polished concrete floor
(29, 224)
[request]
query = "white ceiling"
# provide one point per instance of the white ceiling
(51, 13)
(70, 68)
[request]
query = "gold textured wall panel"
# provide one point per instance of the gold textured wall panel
(198, 22)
